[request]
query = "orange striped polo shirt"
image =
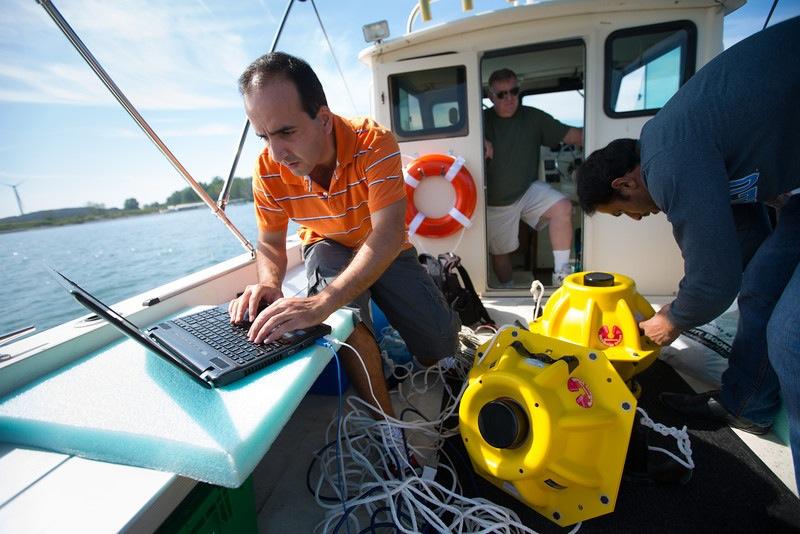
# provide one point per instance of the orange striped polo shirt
(367, 178)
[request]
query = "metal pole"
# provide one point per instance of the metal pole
(73, 38)
(222, 200)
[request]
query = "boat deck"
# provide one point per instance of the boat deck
(284, 504)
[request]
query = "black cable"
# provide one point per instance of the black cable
(467, 467)
(373, 525)
(771, 11)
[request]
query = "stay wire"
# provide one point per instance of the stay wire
(769, 16)
(335, 60)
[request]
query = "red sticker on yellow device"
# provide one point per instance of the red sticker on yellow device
(611, 337)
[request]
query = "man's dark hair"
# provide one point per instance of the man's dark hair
(594, 177)
(277, 65)
(500, 75)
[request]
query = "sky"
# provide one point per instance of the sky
(66, 142)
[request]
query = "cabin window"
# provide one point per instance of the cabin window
(429, 103)
(645, 66)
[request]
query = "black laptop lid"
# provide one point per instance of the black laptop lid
(115, 319)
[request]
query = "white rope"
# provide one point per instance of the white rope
(537, 292)
(367, 454)
(458, 241)
(681, 437)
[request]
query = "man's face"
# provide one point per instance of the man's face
(295, 140)
(634, 205)
(501, 93)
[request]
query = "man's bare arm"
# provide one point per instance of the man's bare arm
(373, 257)
(378, 251)
(271, 267)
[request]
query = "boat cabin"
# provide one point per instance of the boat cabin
(606, 67)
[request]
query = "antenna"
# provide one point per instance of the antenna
(16, 194)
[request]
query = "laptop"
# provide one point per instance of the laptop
(204, 344)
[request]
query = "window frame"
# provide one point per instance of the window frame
(460, 129)
(687, 71)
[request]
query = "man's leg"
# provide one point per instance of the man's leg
(750, 394)
(503, 267)
(750, 387)
(559, 217)
(367, 372)
(324, 261)
(416, 308)
(783, 339)
(544, 206)
(502, 228)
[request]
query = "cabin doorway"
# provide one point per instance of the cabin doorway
(550, 78)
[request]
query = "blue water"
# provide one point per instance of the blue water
(113, 259)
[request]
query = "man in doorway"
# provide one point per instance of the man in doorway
(514, 135)
(728, 136)
(341, 181)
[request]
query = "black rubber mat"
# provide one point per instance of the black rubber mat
(730, 490)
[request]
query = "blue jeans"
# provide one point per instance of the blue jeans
(765, 355)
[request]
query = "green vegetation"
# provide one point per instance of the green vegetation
(240, 190)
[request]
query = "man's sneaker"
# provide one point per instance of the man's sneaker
(707, 406)
(558, 276)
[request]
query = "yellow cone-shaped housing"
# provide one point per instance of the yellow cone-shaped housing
(601, 311)
(548, 422)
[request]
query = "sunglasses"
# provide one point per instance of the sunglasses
(500, 95)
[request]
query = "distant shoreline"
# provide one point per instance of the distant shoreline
(69, 216)
(49, 222)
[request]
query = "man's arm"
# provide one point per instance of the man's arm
(574, 136)
(378, 251)
(690, 184)
(271, 267)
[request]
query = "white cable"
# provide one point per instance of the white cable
(417, 243)
(681, 437)
(412, 503)
(537, 292)
(490, 344)
(460, 237)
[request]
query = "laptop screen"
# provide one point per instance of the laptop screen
(82, 296)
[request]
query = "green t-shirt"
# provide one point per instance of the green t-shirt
(516, 141)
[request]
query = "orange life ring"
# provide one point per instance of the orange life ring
(451, 169)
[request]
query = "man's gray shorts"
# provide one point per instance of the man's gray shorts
(405, 293)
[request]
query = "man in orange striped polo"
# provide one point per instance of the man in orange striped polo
(341, 181)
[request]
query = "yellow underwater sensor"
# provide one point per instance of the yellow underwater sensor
(601, 311)
(547, 413)
(548, 422)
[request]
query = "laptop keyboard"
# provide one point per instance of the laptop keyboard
(213, 327)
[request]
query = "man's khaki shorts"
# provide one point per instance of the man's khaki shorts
(502, 222)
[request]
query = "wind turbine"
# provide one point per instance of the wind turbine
(16, 194)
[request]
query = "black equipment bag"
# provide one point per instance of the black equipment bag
(452, 279)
